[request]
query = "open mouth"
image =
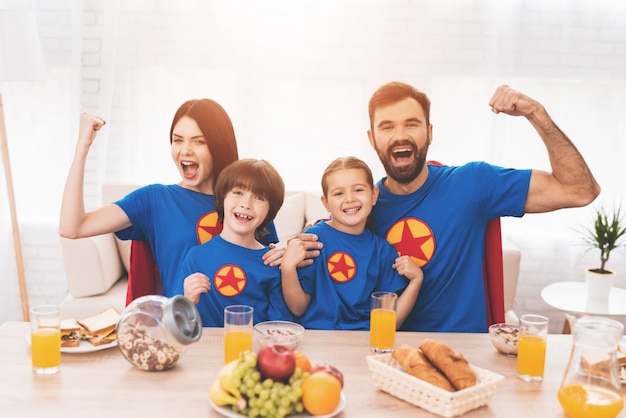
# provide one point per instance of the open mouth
(190, 169)
(351, 211)
(402, 154)
(243, 217)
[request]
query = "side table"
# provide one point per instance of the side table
(571, 297)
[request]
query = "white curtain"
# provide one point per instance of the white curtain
(295, 78)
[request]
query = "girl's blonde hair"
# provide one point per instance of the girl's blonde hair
(344, 163)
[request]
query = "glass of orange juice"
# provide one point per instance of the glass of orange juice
(238, 320)
(531, 347)
(45, 337)
(383, 321)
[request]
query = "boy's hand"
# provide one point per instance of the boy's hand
(274, 256)
(194, 285)
(312, 246)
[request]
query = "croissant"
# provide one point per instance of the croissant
(416, 364)
(452, 364)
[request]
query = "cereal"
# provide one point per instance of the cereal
(146, 352)
(504, 338)
(279, 331)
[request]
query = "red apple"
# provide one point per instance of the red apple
(330, 369)
(276, 362)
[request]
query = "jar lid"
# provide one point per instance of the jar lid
(182, 319)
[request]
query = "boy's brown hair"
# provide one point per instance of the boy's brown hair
(257, 176)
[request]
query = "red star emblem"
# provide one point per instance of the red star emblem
(230, 280)
(341, 267)
(413, 237)
(208, 226)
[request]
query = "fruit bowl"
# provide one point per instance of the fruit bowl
(504, 338)
(285, 333)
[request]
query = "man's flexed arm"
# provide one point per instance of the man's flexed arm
(571, 183)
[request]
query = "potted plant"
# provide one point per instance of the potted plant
(606, 235)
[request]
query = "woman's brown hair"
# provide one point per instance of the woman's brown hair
(216, 127)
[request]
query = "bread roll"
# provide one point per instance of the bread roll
(452, 364)
(416, 364)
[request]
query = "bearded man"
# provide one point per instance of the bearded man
(438, 214)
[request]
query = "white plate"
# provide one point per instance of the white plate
(84, 346)
(227, 412)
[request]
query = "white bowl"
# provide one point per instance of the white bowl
(504, 338)
(285, 333)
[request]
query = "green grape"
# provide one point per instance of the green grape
(299, 407)
(264, 395)
(282, 411)
(267, 398)
(256, 375)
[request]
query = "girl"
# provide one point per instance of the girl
(229, 269)
(334, 292)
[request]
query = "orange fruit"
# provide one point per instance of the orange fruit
(321, 393)
(302, 361)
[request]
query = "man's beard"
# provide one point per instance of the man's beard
(407, 173)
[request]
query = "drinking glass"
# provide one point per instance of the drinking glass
(237, 331)
(531, 347)
(383, 321)
(45, 337)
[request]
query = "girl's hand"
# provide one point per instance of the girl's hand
(405, 266)
(194, 285)
(295, 254)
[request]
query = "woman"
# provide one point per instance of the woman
(170, 218)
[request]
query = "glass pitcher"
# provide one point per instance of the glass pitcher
(591, 387)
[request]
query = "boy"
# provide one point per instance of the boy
(229, 269)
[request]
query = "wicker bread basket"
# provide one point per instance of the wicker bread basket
(389, 377)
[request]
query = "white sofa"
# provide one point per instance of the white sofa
(96, 267)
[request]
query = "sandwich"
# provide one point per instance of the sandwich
(71, 333)
(101, 327)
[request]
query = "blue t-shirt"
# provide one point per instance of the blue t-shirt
(172, 219)
(238, 277)
(341, 280)
(442, 226)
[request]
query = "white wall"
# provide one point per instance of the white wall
(295, 76)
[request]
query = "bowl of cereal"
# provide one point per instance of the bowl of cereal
(285, 333)
(504, 338)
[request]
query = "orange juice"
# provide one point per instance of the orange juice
(234, 343)
(531, 356)
(580, 401)
(382, 329)
(46, 348)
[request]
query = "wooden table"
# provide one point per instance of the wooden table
(103, 383)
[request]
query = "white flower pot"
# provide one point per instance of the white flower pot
(599, 285)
